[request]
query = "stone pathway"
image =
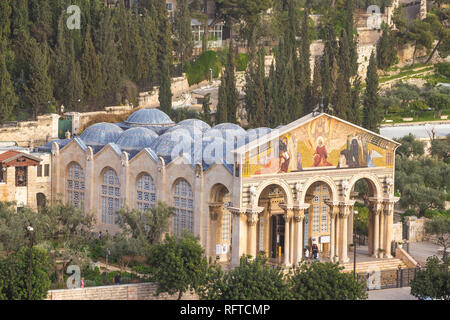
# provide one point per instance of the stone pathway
(420, 251)
(392, 294)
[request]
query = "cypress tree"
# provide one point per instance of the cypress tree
(164, 56)
(329, 66)
(8, 97)
(349, 28)
(255, 92)
(386, 49)
(91, 71)
(206, 110)
(74, 86)
(112, 66)
(148, 34)
(184, 43)
(354, 115)
(228, 94)
(371, 116)
(316, 88)
(38, 87)
(59, 67)
(341, 99)
(305, 54)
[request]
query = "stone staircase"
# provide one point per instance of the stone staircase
(384, 264)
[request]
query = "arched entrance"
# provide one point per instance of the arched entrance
(220, 223)
(271, 225)
(361, 226)
(41, 201)
(317, 222)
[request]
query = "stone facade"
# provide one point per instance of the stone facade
(415, 228)
(142, 291)
(231, 212)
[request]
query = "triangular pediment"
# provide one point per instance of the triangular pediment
(315, 143)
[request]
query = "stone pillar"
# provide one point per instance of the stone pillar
(236, 248)
(334, 215)
(374, 226)
(214, 210)
(389, 222)
(252, 219)
(346, 208)
(382, 234)
(299, 217)
(287, 237)
(337, 237)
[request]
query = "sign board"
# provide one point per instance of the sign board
(218, 249)
(325, 239)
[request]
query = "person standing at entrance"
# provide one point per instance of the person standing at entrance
(306, 253)
(315, 252)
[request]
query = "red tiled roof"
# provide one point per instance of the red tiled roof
(11, 155)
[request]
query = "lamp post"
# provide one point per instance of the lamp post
(30, 271)
(355, 213)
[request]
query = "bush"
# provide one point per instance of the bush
(241, 61)
(443, 68)
(198, 70)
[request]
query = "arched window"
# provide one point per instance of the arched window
(183, 202)
(146, 192)
(110, 196)
(75, 185)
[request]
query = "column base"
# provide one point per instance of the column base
(388, 256)
(375, 256)
(345, 260)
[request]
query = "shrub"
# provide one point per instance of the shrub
(198, 70)
(443, 68)
(241, 61)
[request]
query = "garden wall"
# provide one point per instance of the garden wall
(141, 291)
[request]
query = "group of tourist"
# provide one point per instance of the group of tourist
(314, 252)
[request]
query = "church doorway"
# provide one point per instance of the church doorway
(277, 243)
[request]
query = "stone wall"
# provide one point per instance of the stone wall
(142, 291)
(415, 228)
(31, 133)
(397, 232)
(150, 99)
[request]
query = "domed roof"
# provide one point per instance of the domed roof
(203, 126)
(194, 131)
(151, 117)
(101, 134)
(136, 139)
(229, 126)
(171, 144)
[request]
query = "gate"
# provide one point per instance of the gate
(64, 125)
(388, 279)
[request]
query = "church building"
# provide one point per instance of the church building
(240, 191)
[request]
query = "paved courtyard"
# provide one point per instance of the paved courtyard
(392, 294)
(420, 251)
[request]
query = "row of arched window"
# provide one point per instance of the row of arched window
(183, 197)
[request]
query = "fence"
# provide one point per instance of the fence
(388, 279)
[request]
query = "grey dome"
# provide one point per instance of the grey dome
(216, 151)
(194, 131)
(233, 134)
(229, 126)
(203, 126)
(149, 117)
(172, 144)
(101, 134)
(136, 139)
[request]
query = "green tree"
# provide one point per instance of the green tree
(184, 42)
(38, 88)
(8, 96)
(149, 224)
(386, 49)
(316, 87)
(305, 66)
(91, 70)
(372, 116)
(228, 94)
(433, 281)
(439, 228)
(206, 110)
(410, 146)
(15, 275)
(325, 281)
(255, 95)
(253, 279)
(163, 56)
(178, 265)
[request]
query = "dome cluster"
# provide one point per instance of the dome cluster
(153, 130)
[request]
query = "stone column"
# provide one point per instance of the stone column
(389, 222)
(214, 209)
(337, 238)
(346, 208)
(381, 236)
(252, 219)
(376, 209)
(237, 249)
(299, 216)
(287, 218)
(334, 214)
